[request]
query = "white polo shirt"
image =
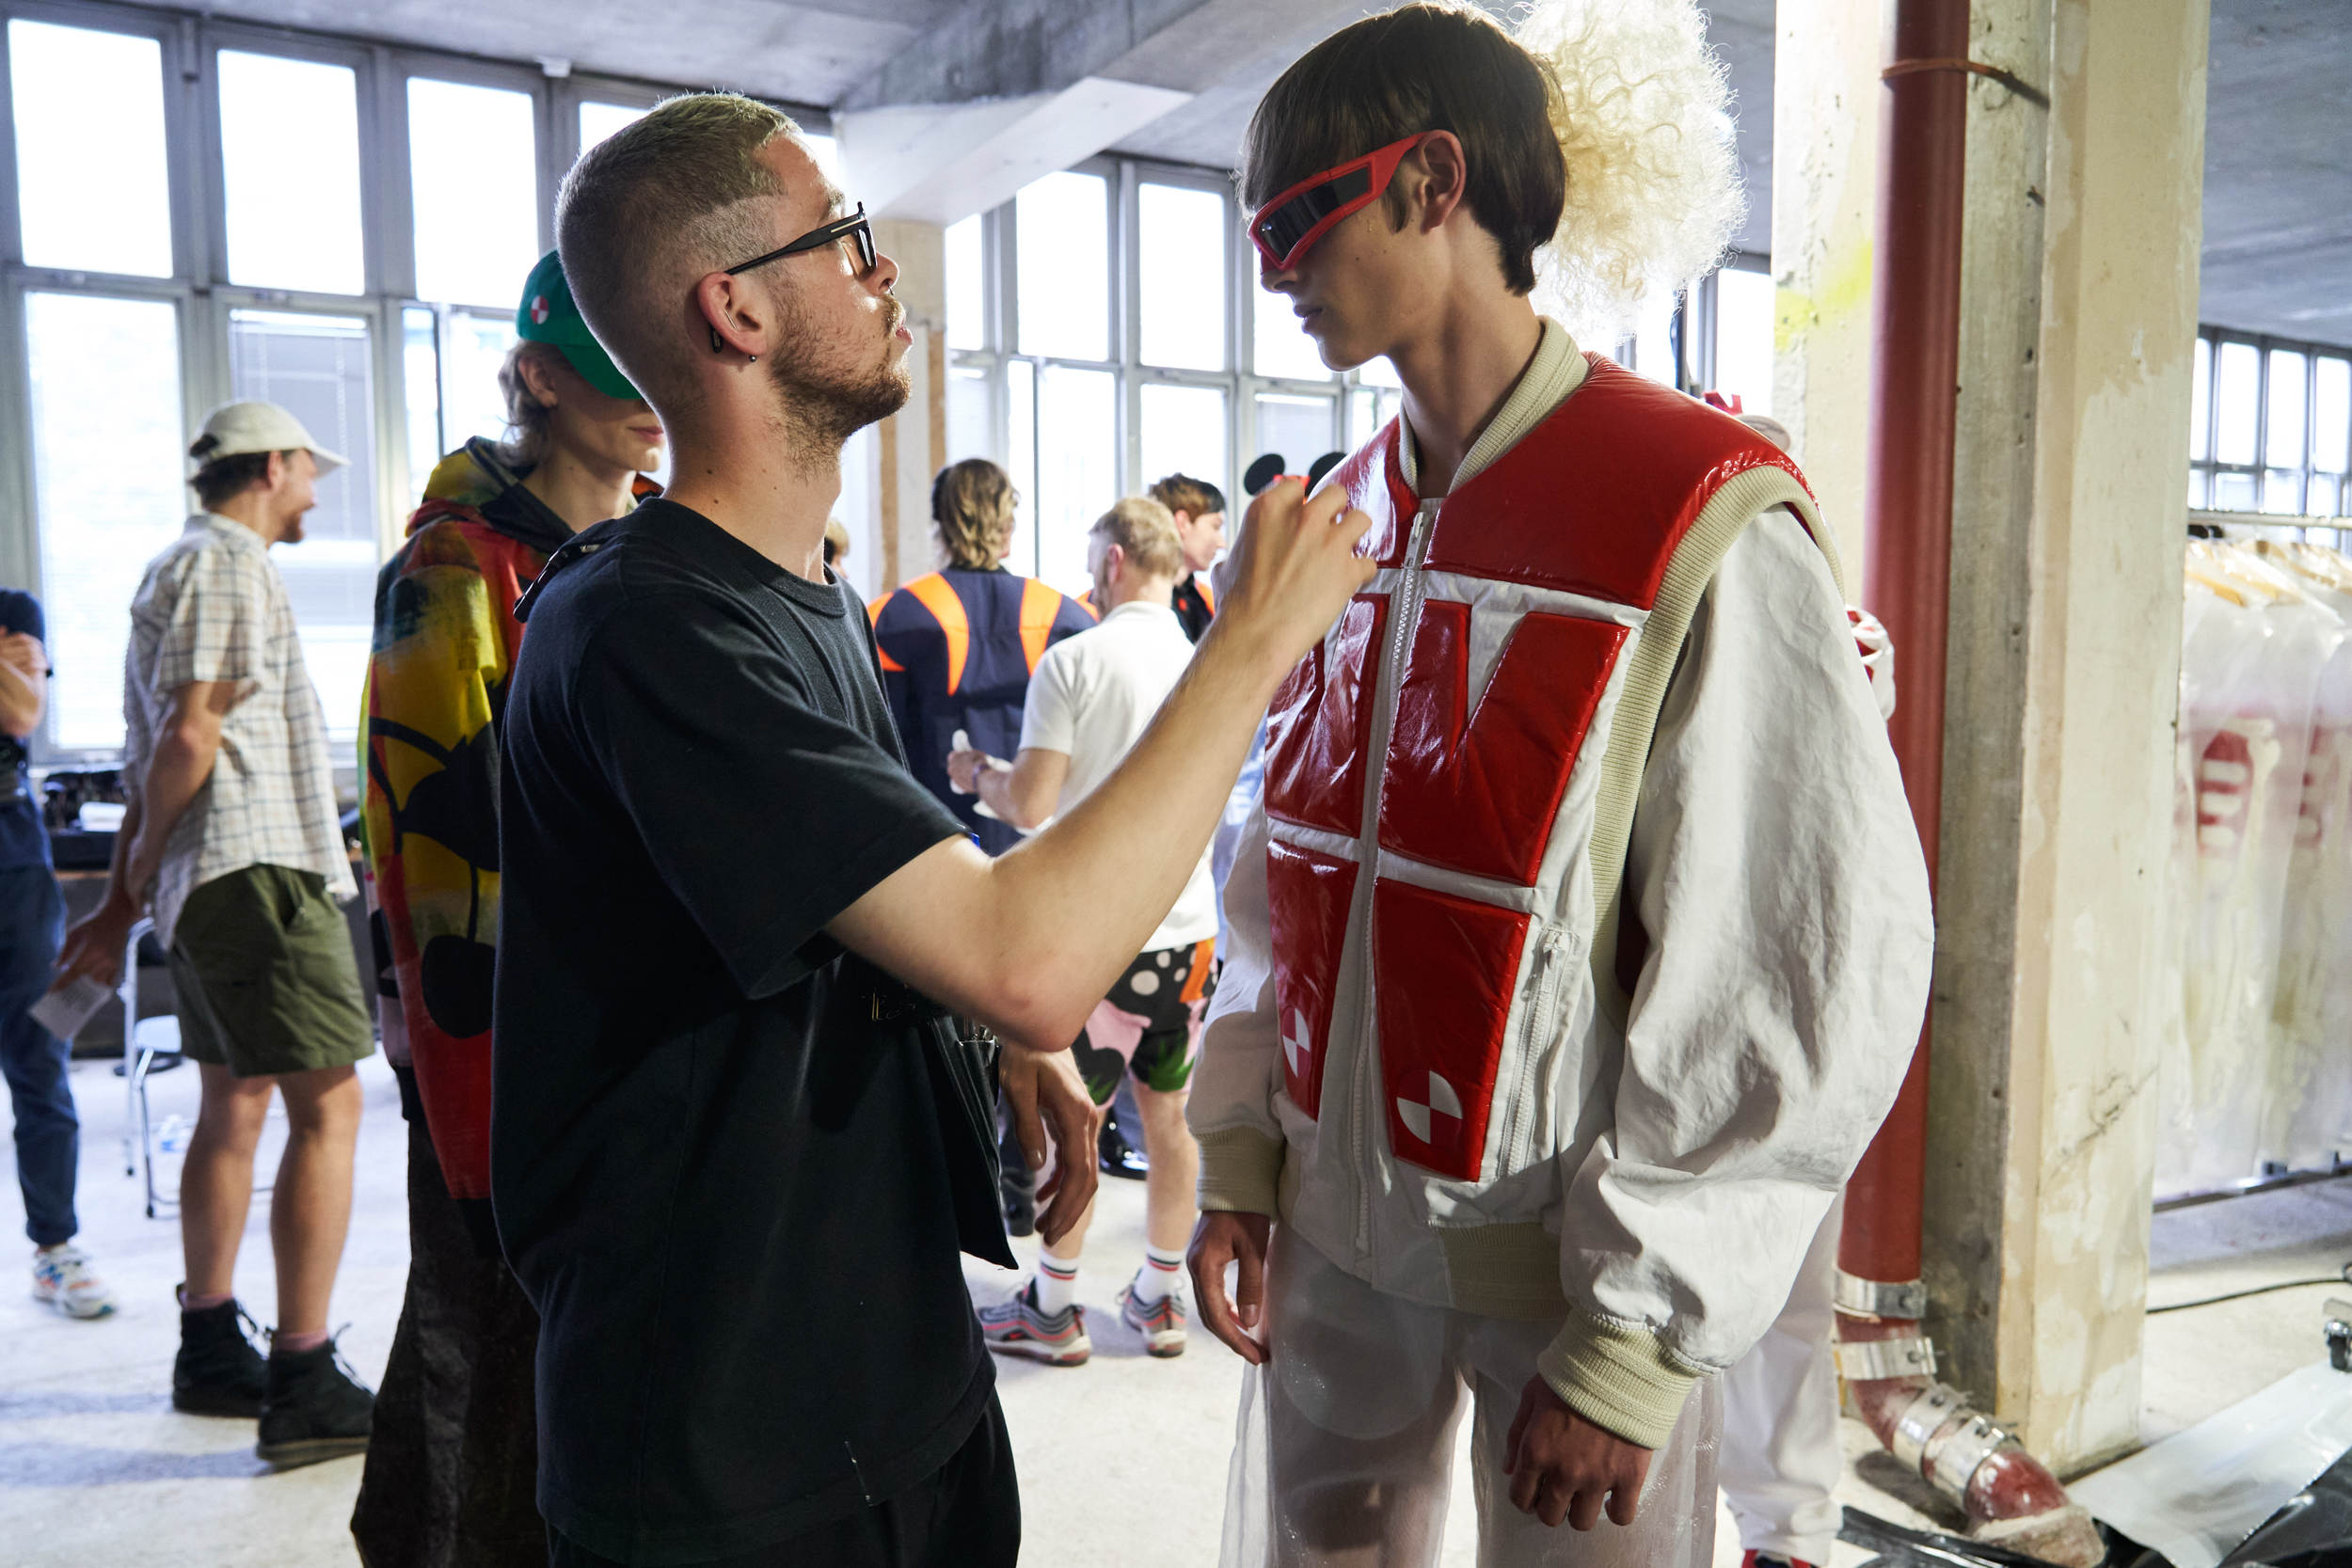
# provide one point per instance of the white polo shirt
(1093, 696)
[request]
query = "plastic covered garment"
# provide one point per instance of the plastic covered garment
(1781, 1456)
(1344, 1450)
(2254, 651)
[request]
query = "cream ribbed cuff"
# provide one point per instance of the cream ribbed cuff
(1620, 1376)
(1241, 1171)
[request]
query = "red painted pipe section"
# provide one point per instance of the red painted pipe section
(2006, 1493)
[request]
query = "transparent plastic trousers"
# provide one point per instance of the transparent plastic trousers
(1344, 1450)
(1781, 1458)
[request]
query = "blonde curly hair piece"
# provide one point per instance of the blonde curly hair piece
(1643, 120)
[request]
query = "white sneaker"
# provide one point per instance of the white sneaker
(62, 1277)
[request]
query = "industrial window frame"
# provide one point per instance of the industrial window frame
(199, 289)
(1358, 406)
(2204, 472)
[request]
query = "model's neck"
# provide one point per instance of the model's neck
(578, 489)
(1152, 591)
(765, 486)
(1459, 371)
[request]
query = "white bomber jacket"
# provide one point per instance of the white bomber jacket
(1613, 665)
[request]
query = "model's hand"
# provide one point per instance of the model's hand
(1294, 568)
(94, 945)
(1222, 1238)
(1562, 1466)
(1050, 1105)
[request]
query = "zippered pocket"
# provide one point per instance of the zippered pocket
(1556, 950)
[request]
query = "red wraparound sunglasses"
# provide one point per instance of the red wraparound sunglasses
(1287, 226)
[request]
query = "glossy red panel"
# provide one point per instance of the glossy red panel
(1445, 968)
(1597, 497)
(1476, 791)
(1320, 726)
(1376, 484)
(1308, 897)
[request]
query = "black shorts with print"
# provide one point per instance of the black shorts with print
(1150, 1023)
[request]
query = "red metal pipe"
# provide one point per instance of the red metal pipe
(1914, 376)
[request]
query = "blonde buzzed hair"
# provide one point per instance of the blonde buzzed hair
(655, 206)
(1146, 531)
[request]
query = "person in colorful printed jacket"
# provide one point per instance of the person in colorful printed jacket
(959, 646)
(1583, 938)
(452, 1471)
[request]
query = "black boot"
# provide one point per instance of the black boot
(316, 1409)
(218, 1372)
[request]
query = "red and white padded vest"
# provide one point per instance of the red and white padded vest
(1451, 775)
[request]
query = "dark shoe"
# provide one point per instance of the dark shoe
(218, 1372)
(316, 1410)
(1120, 1157)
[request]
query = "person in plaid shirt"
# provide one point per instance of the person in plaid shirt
(232, 844)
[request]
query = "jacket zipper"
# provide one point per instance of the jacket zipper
(1403, 609)
(1538, 1014)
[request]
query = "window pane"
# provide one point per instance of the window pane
(599, 120)
(472, 403)
(2283, 441)
(860, 469)
(2238, 389)
(1077, 466)
(2197, 487)
(2331, 415)
(967, 284)
(2282, 492)
(2234, 492)
(2200, 401)
(316, 367)
(1020, 463)
(1183, 432)
(1743, 337)
(290, 156)
(1278, 346)
(93, 185)
(827, 153)
(1368, 409)
(1183, 237)
(1379, 372)
(1062, 239)
(420, 378)
(1297, 427)
(473, 164)
(967, 413)
(108, 470)
(2322, 501)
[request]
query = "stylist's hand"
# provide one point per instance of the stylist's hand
(1562, 1466)
(1295, 569)
(1050, 1102)
(1222, 1238)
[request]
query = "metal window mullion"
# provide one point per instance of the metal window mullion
(1126, 264)
(2213, 396)
(393, 253)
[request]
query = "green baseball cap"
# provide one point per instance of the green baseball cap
(547, 315)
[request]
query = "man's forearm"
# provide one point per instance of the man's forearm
(21, 698)
(174, 775)
(993, 785)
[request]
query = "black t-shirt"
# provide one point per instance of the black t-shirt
(23, 839)
(1191, 604)
(720, 1177)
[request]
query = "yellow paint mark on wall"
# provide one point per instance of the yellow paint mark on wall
(1843, 293)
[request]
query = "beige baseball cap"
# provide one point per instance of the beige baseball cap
(238, 428)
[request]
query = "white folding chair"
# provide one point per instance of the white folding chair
(149, 1045)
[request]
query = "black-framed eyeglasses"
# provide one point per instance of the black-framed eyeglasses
(854, 227)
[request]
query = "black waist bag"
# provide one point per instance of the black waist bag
(961, 1058)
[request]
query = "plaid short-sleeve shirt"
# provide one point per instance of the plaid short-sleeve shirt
(211, 608)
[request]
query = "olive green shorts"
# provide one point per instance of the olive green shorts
(266, 979)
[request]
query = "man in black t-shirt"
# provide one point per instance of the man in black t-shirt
(32, 924)
(735, 1147)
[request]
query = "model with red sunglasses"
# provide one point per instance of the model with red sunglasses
(1581, 939)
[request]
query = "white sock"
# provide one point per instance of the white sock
(1158, 1275)
(1056, 1282)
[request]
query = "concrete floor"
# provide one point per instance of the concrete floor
(1122, 1461)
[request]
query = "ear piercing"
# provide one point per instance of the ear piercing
(718, 345)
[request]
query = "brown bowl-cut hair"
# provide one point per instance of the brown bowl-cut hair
(1422, 67)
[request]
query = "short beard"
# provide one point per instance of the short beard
(819, 407)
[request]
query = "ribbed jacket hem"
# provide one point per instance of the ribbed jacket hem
(1618, 1376)
(1240, 1172)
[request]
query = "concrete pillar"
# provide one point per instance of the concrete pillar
(912, 445)
(2080, 316)
(1825, 110)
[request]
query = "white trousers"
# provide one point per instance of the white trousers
(1345, 1454)
(1781, 1456)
